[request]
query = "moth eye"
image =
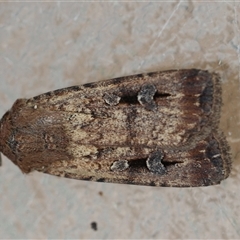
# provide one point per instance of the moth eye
(111, 99)
(119, 165)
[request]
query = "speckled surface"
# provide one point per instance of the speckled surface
(45, 46)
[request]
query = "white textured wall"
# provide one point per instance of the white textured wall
(45, 46)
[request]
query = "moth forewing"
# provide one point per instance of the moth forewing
(158, 129)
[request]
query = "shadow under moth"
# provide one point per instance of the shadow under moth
(156, 129)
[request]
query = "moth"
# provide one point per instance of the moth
(155, 129)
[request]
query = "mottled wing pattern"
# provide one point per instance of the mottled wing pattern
(158, 129)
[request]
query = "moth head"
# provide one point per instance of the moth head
(9, 140)
(5, 133)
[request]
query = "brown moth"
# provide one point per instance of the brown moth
(156, 129)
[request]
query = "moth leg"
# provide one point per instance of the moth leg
(154, 162)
